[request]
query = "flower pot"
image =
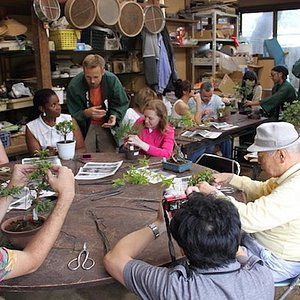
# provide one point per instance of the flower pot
(177, 167)
(132, 153)
(19, 239)
(66, 151)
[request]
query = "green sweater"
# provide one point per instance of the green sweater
(280, 94)
(78, 98)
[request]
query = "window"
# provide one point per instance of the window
(257, 27)
(288, 34)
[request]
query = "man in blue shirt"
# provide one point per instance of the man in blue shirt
(210, 105)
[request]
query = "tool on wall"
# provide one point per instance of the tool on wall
(47, 11)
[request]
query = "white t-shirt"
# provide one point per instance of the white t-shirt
(174, 114)
(131, 116)
(47, 135)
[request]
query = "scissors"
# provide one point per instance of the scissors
(77, 262)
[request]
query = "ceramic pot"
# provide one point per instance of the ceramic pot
(19, 239)
(177, 167)
(66, 151)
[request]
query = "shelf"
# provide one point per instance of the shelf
(184, 46)
(174, 20)
(12, 104)
(16, 52)
(217, 40)
(72, 52)
(209, 12)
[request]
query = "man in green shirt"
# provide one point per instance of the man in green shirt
(282, 92)
(98, 102)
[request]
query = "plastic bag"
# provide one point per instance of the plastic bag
(19, 89)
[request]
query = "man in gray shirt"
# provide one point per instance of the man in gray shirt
(207, 229)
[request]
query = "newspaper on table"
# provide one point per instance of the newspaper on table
(53, 160)
(223, 125)
(204, 133)
(94, 170)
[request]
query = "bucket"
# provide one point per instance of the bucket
(108, 12)
(131, 21)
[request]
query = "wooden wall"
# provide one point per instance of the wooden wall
(180, 54)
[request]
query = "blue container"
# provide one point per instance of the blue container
(178, 168)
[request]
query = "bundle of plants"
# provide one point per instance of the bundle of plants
(200, 177)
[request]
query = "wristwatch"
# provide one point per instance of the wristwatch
(154, 229)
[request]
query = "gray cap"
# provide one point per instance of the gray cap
(274, 136)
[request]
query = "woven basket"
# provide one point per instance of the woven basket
(65, 39)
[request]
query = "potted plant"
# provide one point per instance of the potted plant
(241, 94)
(182, 123)
(121, 134)
(19, 230)
(200, 177)
(177, 163)
(291, 113)
(65, 148)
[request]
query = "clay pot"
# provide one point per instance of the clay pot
(19, 239)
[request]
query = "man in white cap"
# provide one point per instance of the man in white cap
(271, 215)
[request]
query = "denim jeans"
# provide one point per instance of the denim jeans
(281, 269)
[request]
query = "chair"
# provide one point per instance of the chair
(239, 153)
(219, 163)
(290, 284)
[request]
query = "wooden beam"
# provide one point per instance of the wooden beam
(266, 5)
(41, 53)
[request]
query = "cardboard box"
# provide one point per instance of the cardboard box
(18, 139)
(19, 103)
(226, 86)
(264, 73)
(208, 34)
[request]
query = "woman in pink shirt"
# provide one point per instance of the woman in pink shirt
(156, 136)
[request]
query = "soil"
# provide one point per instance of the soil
(24, 225)
(176, 162)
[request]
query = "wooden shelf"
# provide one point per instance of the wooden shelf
(217, 40)
(174, 20)
(184, 46)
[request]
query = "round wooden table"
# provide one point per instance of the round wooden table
(100, 222)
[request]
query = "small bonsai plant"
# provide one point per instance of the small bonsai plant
(291, 113)
(242, 92)
(177, 156)
(36, 184)
(200, 177)
(65, 148)
(64, 128)
(185, 121)
(124, 130)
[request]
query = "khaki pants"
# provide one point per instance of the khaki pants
(99, 139)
